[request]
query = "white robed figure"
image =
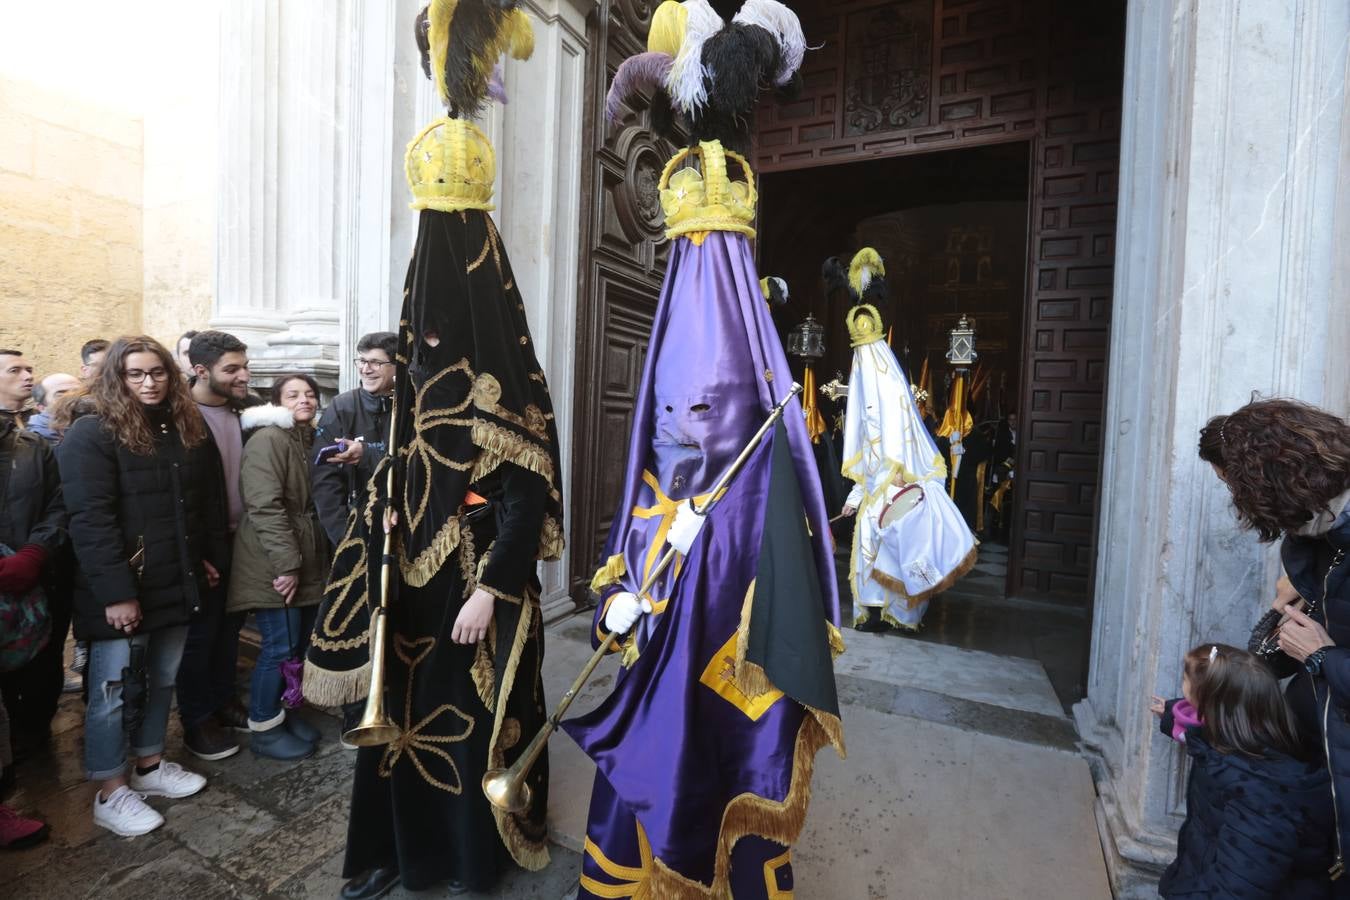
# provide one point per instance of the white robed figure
(910, 541)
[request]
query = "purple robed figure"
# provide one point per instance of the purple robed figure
(705, 748)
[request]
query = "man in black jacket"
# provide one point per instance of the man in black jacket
(359, 418)
(33, 526)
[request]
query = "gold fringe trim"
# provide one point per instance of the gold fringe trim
(665, 883)
(750, 677)
(837, 648)
(500, 445)
(750, 814)
(484, 678)
(952, 577)
(421, 570)
(552, 542)
(327, 687)
(529, 854)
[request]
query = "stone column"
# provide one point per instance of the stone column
(245, 297)
(281, 265)
(1233, 147)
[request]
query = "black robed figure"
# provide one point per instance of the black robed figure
(477, 503)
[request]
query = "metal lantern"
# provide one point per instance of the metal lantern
(807, 339)
(961, 341)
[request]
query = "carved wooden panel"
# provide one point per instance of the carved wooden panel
(625, 251)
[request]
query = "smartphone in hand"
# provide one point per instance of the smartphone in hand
(327, 453)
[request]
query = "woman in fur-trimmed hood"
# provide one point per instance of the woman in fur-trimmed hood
(280, 556)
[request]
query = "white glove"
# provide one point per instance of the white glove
(954, 437)
(958, 450)
(685, 528)
(624, 611)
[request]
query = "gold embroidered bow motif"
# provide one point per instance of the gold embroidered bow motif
(419, 738)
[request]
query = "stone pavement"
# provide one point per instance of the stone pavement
(961, 782)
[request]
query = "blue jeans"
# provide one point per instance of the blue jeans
(280, 642)
(105, 740)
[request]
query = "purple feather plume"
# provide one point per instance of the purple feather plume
(496, 89)
(645, 71)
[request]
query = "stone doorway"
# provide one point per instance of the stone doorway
(954, 230)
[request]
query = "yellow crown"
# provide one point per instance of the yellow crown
(864, 325)
(450, 166)
(709, 201)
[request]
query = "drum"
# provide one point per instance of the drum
(899, 506)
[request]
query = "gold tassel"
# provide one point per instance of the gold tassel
(610, 573)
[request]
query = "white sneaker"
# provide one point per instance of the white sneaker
(169, 780)
(126, 813)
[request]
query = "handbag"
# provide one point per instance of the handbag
(25, 624)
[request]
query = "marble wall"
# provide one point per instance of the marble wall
(1228, 281)
(318, 103)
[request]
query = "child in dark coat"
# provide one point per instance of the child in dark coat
(1259, 820)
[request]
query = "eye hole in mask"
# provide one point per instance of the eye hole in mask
(700, 407)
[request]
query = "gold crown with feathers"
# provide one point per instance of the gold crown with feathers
(450, 164)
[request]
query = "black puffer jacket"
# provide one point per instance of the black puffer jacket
(1256, 829)
(1318, 564)
(173, 502)
(340, 489)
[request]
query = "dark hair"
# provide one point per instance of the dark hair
(1283, 462)
(283, 380)
(11, 353)
(97, 345)
(39, 392)
(1241, 705)
(187, 335)
(207, 347)
(379, 340)
(122, 413)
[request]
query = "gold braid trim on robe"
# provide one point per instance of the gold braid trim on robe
(531, 855)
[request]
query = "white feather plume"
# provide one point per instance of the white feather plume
(685, 83)
(784, 25)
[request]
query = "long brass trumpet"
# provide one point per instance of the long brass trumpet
(375, 727)
(506, 788)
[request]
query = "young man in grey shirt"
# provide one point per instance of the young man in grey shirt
(207, 701)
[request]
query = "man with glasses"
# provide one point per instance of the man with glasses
(207, 701)
(358, 418)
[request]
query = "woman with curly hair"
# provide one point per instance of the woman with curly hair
(1287, 466)
(143, 482)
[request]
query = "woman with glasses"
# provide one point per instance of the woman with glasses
(280, 558)
(142, 480)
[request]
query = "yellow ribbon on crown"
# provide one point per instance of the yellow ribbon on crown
(450, 166)
(710, 201)
(864, 325)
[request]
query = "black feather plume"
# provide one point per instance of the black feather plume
(835, 275)
(475, 26)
